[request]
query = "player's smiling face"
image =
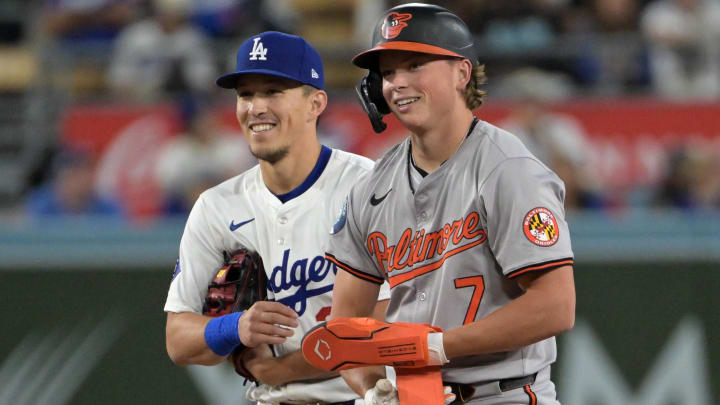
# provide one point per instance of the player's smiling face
(272, 111)
(416, 86)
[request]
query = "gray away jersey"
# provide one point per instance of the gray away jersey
(450, 249)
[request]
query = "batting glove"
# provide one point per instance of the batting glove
(265, 394)
(382, 394)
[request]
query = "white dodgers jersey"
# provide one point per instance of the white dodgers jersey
(450, 242)
(289, 231)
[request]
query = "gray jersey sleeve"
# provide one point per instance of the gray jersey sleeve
(347, 242)
(526, 223)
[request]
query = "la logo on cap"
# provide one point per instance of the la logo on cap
(258, 52)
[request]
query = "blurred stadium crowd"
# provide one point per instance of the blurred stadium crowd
(71, 69)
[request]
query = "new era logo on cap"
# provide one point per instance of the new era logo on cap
(277, 54)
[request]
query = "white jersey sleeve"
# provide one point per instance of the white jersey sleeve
(200, 256)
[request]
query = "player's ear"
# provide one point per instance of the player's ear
(463, 71)
(318, 101)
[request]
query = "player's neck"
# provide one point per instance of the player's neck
(433, 146)
(288, 173)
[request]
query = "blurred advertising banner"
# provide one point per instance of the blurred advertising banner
(628, 142)
(646, 334)
(625, 143)
(125, 142)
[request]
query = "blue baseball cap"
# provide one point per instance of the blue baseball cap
(277, 54)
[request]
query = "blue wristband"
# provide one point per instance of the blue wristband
(221, 334)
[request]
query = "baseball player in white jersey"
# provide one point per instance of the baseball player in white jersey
(463, 221)
(282, 208)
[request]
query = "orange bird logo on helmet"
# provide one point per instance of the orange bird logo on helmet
(394, 24)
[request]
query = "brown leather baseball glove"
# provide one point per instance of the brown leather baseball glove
(236, 287)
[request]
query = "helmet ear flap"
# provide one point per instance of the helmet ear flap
(369, 91)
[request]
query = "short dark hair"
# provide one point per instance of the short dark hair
(306, 91)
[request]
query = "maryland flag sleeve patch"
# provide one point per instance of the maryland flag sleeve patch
(540, 227)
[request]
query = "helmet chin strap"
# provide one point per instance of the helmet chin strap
(369, 92)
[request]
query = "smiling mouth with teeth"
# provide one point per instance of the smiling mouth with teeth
(407, 101)
(262, 127)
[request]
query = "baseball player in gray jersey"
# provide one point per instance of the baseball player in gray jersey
(463, 221)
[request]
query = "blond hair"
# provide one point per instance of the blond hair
(473, 94)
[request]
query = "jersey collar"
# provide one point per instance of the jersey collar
(423, 173)
(320, 165)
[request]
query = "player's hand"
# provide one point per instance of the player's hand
(384, 393)
(257, 361)
(266, 322)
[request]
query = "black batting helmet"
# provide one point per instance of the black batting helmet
(419, 27)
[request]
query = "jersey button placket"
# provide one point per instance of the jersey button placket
(282, 220)
(421, 209)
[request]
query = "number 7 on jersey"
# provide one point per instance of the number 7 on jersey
(478, 285)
